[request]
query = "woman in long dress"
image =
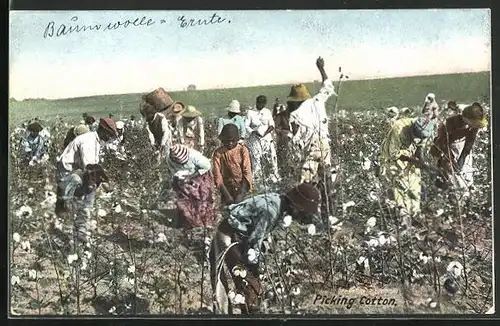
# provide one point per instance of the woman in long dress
(193, 183)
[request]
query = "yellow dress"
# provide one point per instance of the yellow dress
(404, 178)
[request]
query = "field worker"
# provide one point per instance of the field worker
(132, 122)
(34, 145)
(242, 233)
(453, 145)
(191, 129)
(406, 138)
(282, 126)
(92, 123)
(310, 125)
(174, 119)
(79, 174)
(233, 116)
(231, 166)
(193, 183)
(120, 128)
(158, 128)
(74, 132)
(116, 146)
(261, 143)
(430, 103)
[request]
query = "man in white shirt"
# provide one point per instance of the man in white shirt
(73, 165)
(309, 123)
(260, 123)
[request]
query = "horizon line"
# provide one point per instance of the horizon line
(249, 86)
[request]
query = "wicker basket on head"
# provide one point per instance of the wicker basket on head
(159, 98)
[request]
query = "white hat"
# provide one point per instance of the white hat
(234, 107)
(120, 125)
(430, 97)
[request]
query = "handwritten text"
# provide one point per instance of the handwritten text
(54, 29)
(214, 19)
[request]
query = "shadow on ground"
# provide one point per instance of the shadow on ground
(127, 304)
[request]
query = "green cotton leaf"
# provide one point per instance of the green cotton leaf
(37, 304)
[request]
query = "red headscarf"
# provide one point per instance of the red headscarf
(109, 125)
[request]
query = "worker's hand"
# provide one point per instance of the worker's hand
(106, 187)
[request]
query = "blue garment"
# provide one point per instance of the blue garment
(34, 147)
(255, 217)
(424, 128)
(69, 182)
(236, 120)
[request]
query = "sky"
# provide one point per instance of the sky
(248, 48)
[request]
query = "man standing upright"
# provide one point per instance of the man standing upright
(309, 124)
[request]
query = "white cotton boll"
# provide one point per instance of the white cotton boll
(382, 240)
(372, 196)
(361, 260)
(131, 281)
(31, 191)
(25, 245)
(84, 265)
(372, 243)
(251, 255)
(332, 219)
(161, 237)
(347, 205)
(15, 280)
(239, 299)
(32, 274)
(311, 229)
(16, 237)
(367, 164)
(50, 198)
(58, 225)
(439, 212)
(433, 304)
(231, 295)
(455, 268)
(72, 258)
(93, 224)
(118, 209)
(24, 211)
(287, 221)
(236, 271)
(101, 212)
(243, 273)
(372, 221)
(112, 310)
(131, 269)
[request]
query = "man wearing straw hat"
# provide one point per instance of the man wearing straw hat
(309, 123)
(453, 145)
(191, 130)
(233, 116)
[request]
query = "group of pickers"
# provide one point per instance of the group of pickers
(253, 148)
